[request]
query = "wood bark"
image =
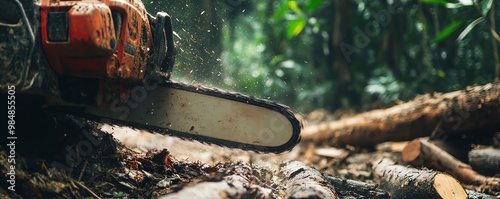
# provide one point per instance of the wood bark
(444, 114)
(403, 182)
(302, 181)
(420, 152)
(232, 186)
(477, 195)
(485, 161)
(357, 189)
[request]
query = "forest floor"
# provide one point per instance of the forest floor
(119, 162)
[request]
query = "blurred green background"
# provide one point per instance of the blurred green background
(342, 54)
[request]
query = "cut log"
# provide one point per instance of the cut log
(403, 182)
(420, 152)
(233, 186)
(446, 114)
(485, 161)
(302, 181)
(357, 189)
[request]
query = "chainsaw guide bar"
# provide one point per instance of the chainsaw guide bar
(207, 115)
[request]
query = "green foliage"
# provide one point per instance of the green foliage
(294, 27)
(440, 2)
(484, 5)
(467, 29)
(447, 31)
(384, 85)
(288, 50)
(297, 21)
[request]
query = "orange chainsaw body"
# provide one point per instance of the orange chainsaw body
(107, 39)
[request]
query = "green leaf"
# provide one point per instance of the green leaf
(295, 7)
(281, 12)
(460, 4)
(486, 6)
(313, 4)
(440, 2)
(469, 28)
(447, 31)
(441, 73)
(294, 27)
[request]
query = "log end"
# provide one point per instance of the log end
(448, 187)
(412, 151)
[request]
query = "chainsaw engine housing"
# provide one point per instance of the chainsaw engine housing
(104, 39)
(83, 51)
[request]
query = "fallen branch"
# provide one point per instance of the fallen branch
(404, 182)
(486, 161)
(419, 152)
(302, 181)
(445, 114)
(358, 188)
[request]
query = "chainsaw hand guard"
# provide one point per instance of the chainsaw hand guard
(163, 45)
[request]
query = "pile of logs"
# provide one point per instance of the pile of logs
(452, 135)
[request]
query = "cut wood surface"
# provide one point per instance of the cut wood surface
(486, 161)
(302, 181)
(445, 114)
(403, 182)
(420, 152)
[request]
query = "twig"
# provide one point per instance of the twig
(83, 170)
(86, 189)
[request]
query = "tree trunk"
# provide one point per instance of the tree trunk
(420, 152)
(341, 71)
(403, 182)
(441, 115)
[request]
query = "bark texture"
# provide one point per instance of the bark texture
(485, 161)
(403, 182)
(444, 114)
(358, 189)
(302, 181)
(477, 195)
(233, 186)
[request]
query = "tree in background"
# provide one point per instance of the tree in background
(336, 54)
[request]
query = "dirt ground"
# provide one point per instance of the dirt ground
(84, 159)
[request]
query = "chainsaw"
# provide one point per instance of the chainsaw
(110, 61)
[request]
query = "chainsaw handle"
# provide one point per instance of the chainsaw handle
(163, 44)
(18, 40)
